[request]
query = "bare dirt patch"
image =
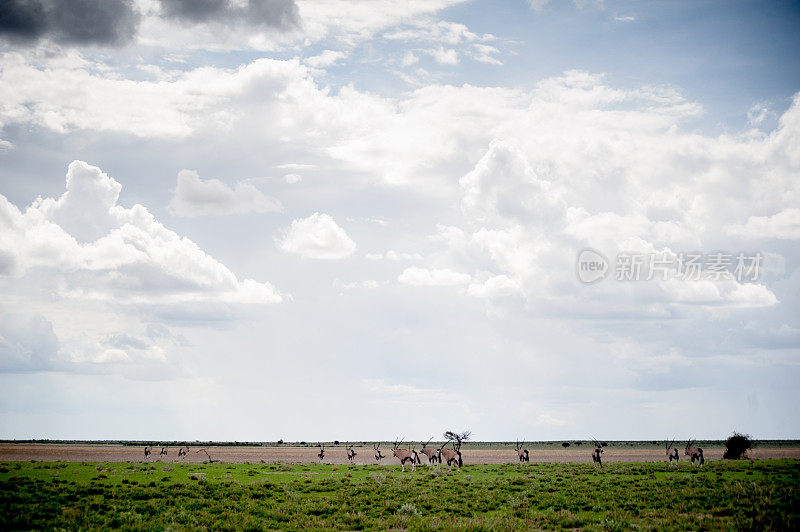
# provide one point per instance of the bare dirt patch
(295, 455)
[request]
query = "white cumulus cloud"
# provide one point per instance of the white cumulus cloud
(783, 225)
(98, 249)
(437, 277)
(197, 197)
(496, 286)
(317, 237)
(325, 59)
(444, 56)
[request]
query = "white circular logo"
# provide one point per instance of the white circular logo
(591, 266)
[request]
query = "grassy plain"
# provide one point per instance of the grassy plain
(257, 496)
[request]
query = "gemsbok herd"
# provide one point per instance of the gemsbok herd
(452, 456)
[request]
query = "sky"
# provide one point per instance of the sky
(253, 220)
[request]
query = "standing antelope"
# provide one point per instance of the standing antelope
(672, 453)
(148, 450)
(453, 456)
(405, 455)
(378, 455)
(351, 454)
(694, 453)
(434, 457)
(522, 453)
(321, 453)
(183, 451)
(597, 454)
(163, 451)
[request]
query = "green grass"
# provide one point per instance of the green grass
(256, 496)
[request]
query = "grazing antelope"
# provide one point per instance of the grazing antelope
(522, 453)
(148, 450)
(597, 457)
(672, 453)
(378, 455)
(453, 456)
(434, 457)
(183, 451)
(694, 453)
(405, 455)
(210, 461)
(321, 453)
(163, 452)
(351, 454)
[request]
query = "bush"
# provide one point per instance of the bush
(737, 446)
(565, 444)
(408, 509)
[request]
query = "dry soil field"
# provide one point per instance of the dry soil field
(336, 455)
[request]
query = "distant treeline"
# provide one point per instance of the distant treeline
(473, 444)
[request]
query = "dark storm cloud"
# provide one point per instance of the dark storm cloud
(115, 22)
(279, 14)
(106, 22)
(22, 19)
(95, 21)
(195, 10)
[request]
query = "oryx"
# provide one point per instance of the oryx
(148, 450)
(694, 453)
(378, 455)
(183, 451)
(351, 454)
(434, 457)
(405, 455)
(321, 453)
(524, 457)
(597, 454)
(453, 456)
(210, 461)
(163, 451)
(671, 452)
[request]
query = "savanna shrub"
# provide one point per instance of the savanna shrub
(737, 446)
(408, 509)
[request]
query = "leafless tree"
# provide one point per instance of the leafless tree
(694, 453)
